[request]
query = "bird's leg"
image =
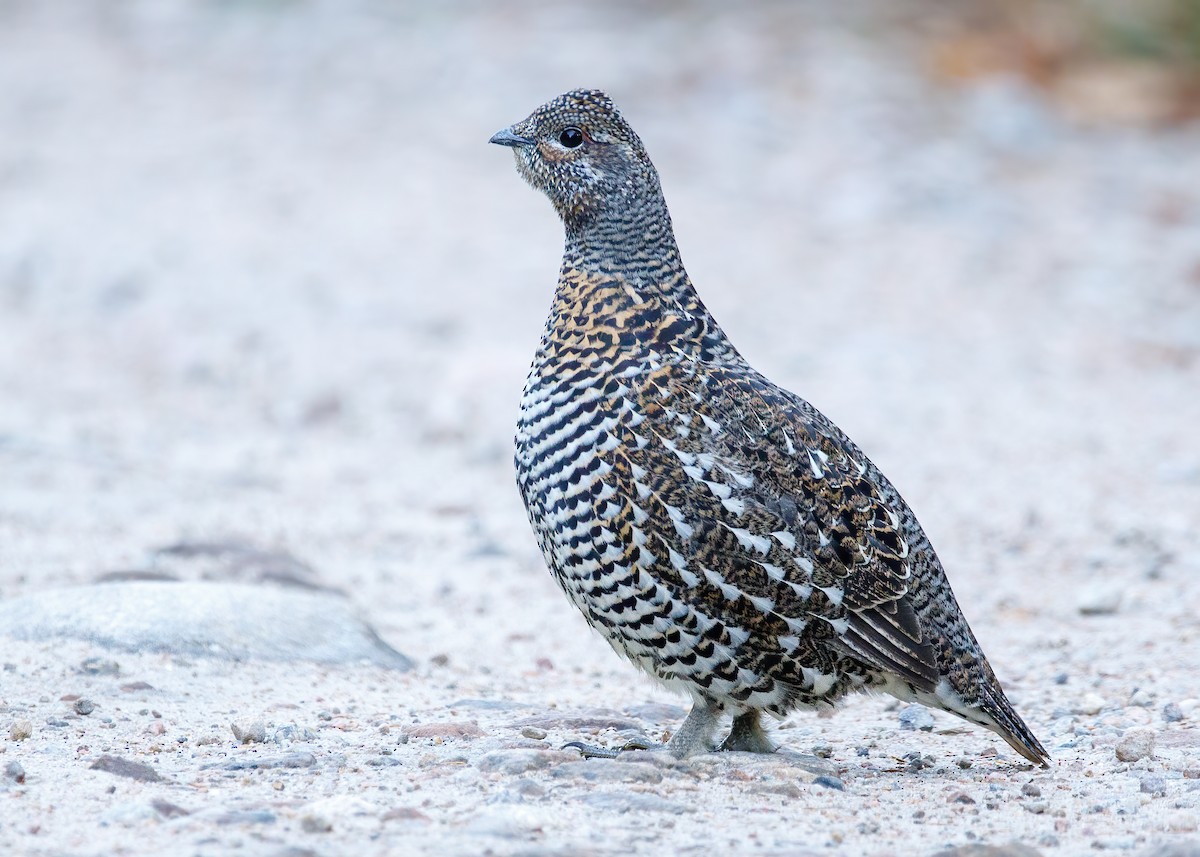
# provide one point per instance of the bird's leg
(748, 736)
(695, 735)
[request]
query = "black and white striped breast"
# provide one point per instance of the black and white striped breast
(659, 542)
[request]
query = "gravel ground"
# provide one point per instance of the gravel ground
(262, 282)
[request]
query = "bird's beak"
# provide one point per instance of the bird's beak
(506, 137)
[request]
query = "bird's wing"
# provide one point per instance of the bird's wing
(792, 472)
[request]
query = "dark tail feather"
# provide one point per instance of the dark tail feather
(1008, 725)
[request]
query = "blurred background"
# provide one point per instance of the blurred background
(261, 277)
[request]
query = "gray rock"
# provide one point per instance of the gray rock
(1136, 744)
(126, 768)
(1090, 704)
(1172, 713)
(608, 771)
(20, 730)
(1141, 698)
(384, 762)
(830, 783)
(1153, 785)
(522, 761)
(249, 731)
(525, 787)
(1190, 848)
(14, 772)
(1013, 849)
(265, 763)
(246, 816)
(167, 809)
(291, 733)
(916, 717)
(1101, 598)
(580, 723)
(224, 620)
(98, 666)
(315, 824)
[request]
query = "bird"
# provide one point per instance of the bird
(717, 530)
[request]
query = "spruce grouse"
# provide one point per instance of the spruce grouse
(717, 530)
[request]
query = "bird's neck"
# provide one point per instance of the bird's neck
(630, 240)
(622, 279)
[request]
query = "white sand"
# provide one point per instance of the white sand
(262, 279)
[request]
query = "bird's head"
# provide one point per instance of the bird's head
(580, 152)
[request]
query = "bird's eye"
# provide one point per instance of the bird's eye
(571, 137)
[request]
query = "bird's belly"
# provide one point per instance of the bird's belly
(574, 462)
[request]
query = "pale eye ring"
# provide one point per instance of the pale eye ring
(571, 137)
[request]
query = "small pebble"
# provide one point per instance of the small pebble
(126, 768)
(534, 733)
(916, 717)
(516, 762)
(1030, 790)
(246, 816)
(14, 772)
(1141, 698)
(249, 732)
(830, 782)
(167, 809)
(1154, 785)
(292, 733)
(84, 706)
(1100, 599)
(960, 797)
(20, 730)
(917, 762)
(1172, 713)
(1136, 744)
(822, 751)
(527, 788)
(1090, 703)
(963, 762)
(100, 666)
(316, 824)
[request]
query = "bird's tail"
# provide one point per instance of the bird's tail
(990, 709)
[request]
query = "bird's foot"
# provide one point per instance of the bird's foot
(695, 735)
(748, 736)
(594, 751)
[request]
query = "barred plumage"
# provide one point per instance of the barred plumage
(717, 530)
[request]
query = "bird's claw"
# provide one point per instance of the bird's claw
(593, 751)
